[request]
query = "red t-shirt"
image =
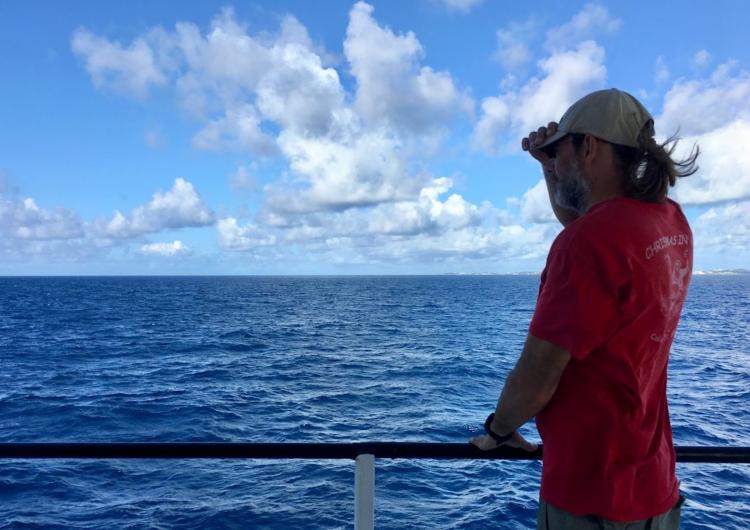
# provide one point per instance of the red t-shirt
(611, 296)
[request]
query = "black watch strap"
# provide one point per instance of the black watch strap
(498, 438)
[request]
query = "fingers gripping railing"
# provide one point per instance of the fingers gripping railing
(364, 454)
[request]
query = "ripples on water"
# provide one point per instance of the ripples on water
(314, 359)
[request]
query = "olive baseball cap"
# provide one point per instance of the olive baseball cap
(612, 115)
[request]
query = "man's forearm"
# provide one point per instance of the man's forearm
(530, 385)
(518, 403)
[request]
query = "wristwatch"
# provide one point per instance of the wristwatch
(498, 438)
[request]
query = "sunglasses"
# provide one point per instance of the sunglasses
(551, 150)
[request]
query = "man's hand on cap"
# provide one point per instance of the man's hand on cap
(536, 138)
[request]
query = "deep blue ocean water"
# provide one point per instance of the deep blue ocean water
(324, 359)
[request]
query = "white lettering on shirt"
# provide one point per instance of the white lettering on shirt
(665, 242)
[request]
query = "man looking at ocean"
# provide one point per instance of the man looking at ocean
(593, 370)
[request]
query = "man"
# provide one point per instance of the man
(594, 367)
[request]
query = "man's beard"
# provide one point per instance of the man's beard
(572, 189)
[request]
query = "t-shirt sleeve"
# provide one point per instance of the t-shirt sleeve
(577, 305)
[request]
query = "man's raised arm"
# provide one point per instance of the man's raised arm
(529, 143)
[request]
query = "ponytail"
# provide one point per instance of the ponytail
(649, 169)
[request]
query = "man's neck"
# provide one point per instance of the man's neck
(594, 199)
(605, 186)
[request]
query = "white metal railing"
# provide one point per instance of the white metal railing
(364, 493)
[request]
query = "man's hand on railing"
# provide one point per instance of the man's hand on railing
(487, 443)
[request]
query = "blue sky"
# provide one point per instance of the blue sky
(340, 137)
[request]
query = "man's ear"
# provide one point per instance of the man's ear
(591, 147)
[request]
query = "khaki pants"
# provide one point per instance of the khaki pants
(551, 518)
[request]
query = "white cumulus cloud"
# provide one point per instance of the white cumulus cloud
(591, 20)
(714, 113)
(132, 70)
(724, 162)
(535, 205)
(513, 48)
(232, 236)
(174, 248)
(471, 243)
(25, 220)
(696, 106)
(392, 87)
(437, 225)
(725, 228)
(179, 207)
(29, 231)
(358, 169)
(427, 214)
(238, 129)
(300, 93)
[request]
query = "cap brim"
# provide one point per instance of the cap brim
(559, 135)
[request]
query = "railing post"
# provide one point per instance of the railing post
(364, 493)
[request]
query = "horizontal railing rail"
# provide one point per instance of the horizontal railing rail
(320, 451)
(364, 453)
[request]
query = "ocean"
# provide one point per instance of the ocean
(315, 359)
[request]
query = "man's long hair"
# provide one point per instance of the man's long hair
(649, 169)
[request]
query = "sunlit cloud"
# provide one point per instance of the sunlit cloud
(172, 249)
(180, 207)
